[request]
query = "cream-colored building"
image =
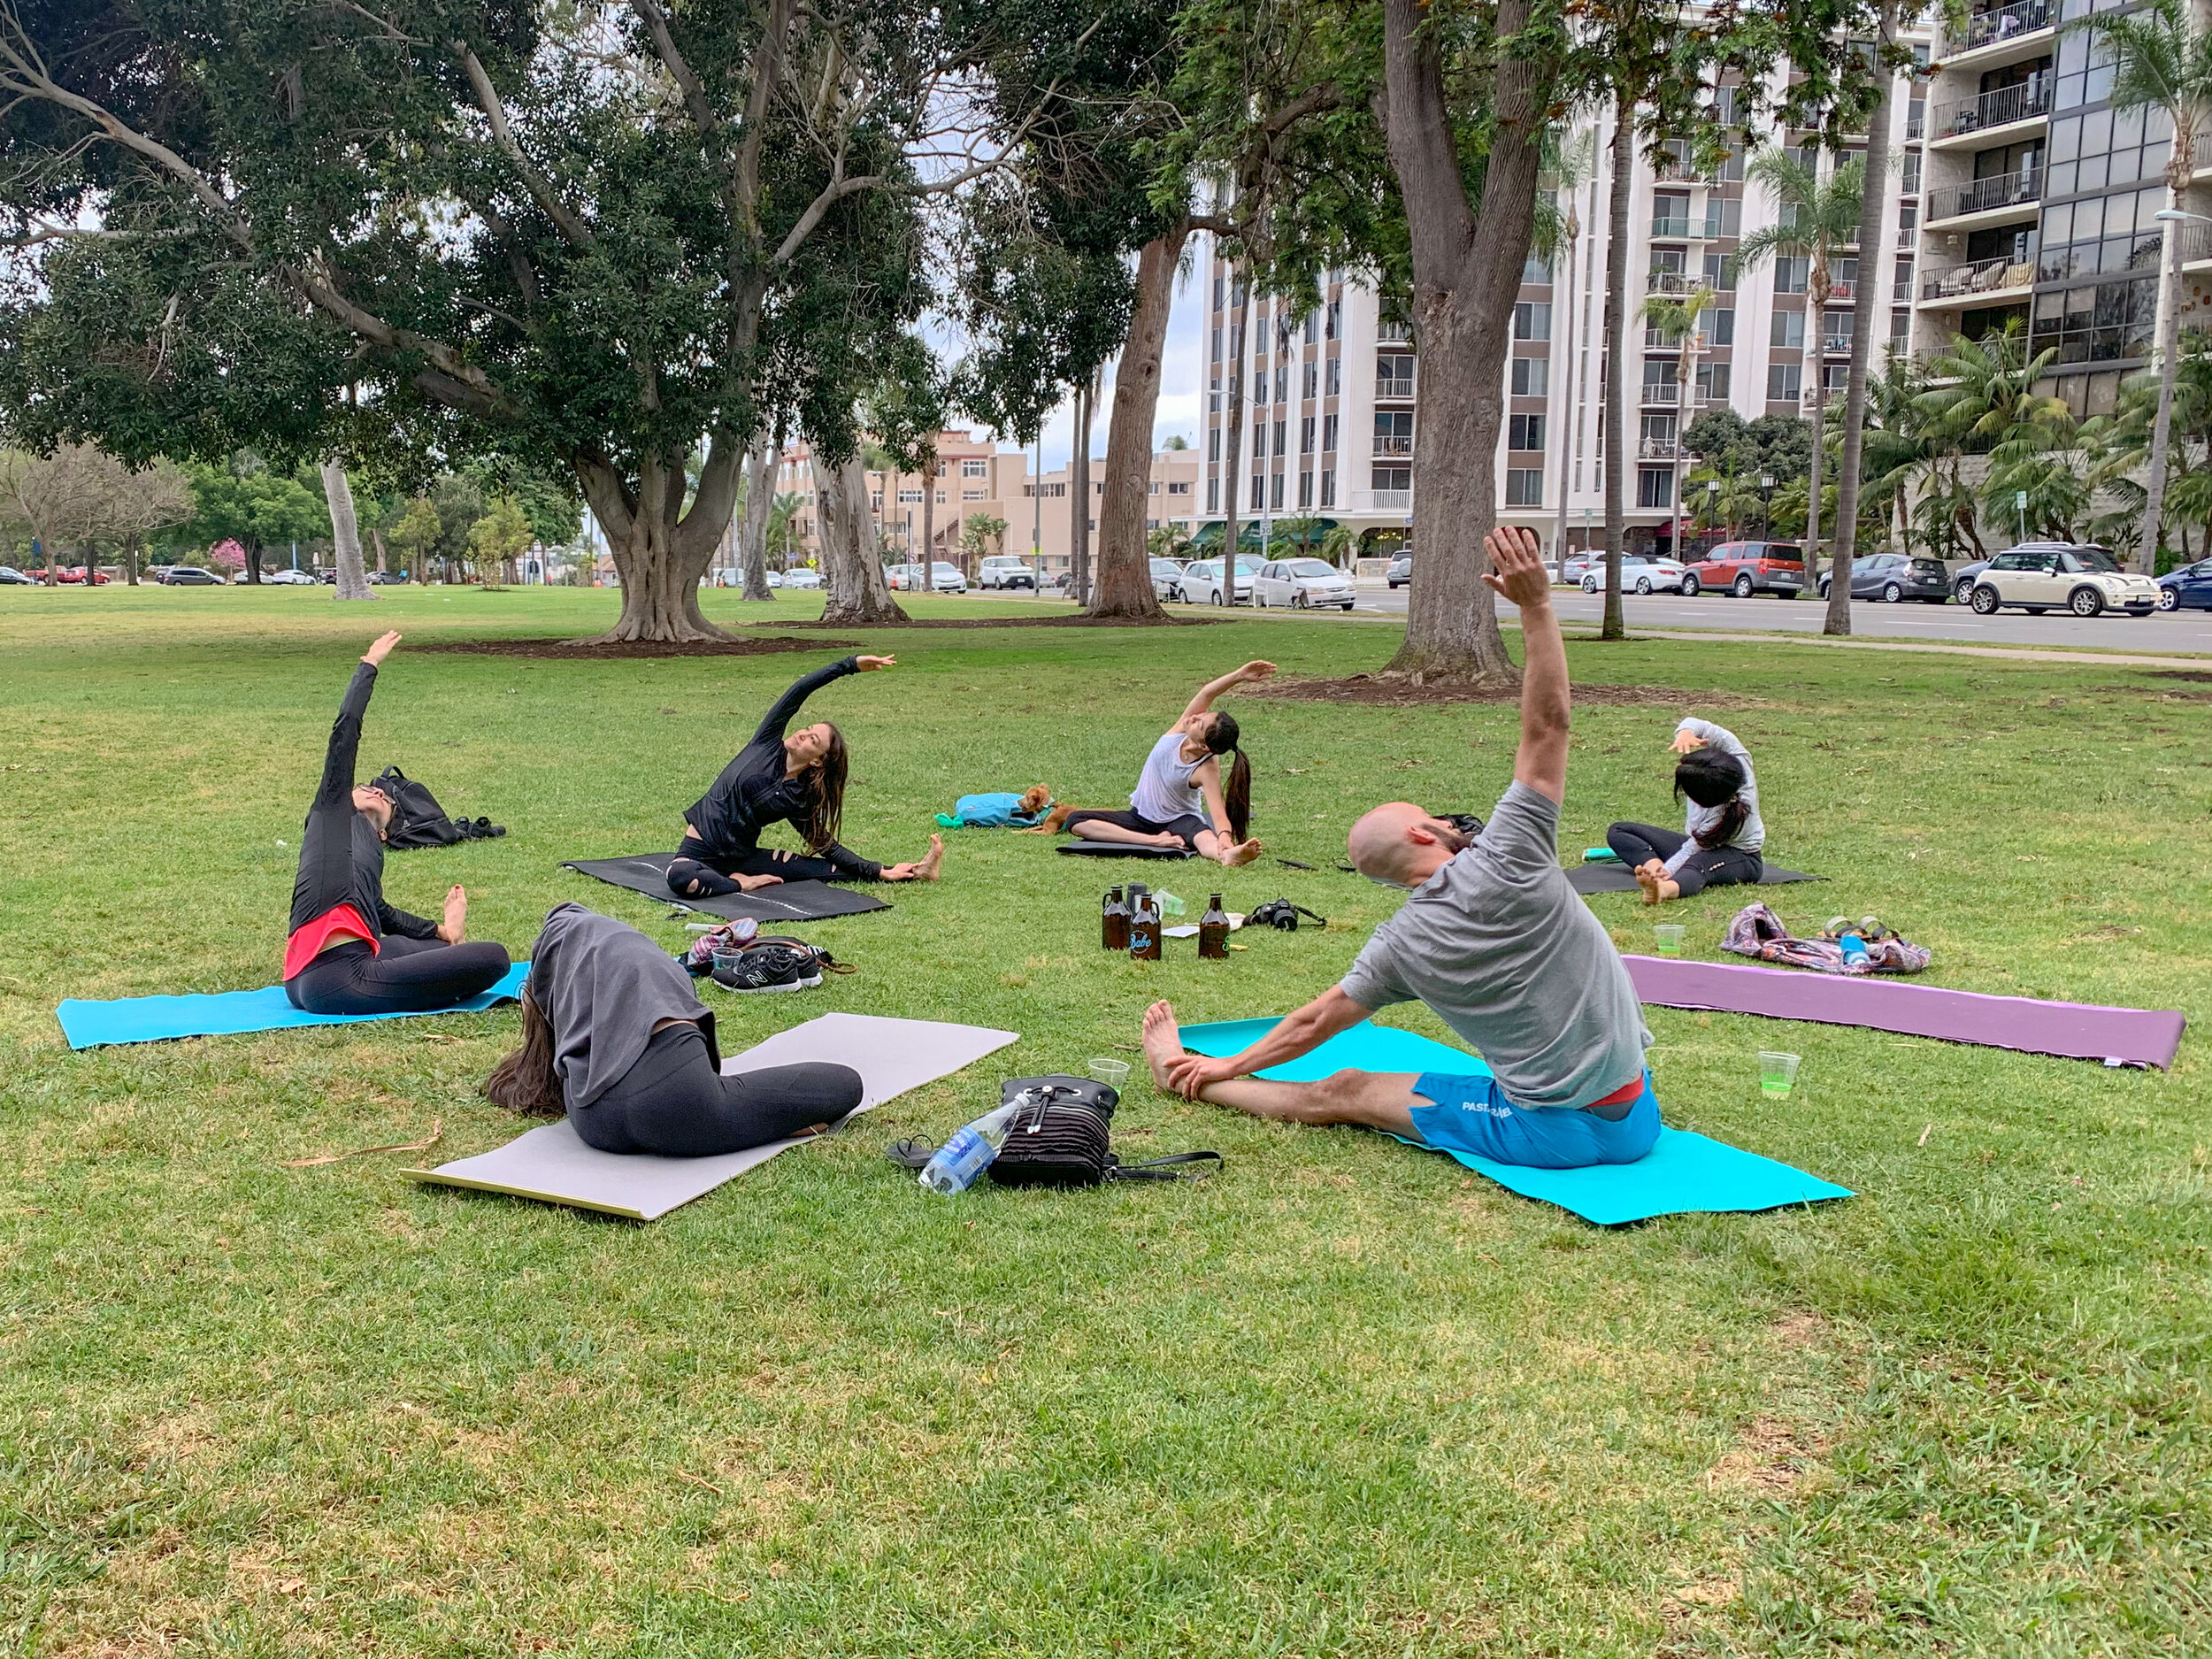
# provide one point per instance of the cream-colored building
(978, 479)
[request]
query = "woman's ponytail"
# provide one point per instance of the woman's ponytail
(1236, 789)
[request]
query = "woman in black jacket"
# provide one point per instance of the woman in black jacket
(613, 1036)
(798, 779)
(349, 952)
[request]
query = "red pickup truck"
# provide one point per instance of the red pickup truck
(1745, 568)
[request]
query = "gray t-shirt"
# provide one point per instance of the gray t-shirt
(1511, 959)
(602, 986)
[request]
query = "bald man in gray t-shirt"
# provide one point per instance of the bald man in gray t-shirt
(1496, 942)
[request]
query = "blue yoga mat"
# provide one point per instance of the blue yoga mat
(159, 1019)
(1686, 1172)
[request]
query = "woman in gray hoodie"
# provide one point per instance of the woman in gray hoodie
(614, 1037)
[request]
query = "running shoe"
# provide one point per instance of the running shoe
(769, 967)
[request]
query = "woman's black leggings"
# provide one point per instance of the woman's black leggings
(695, 879)
(1638, 844)
(673, 1102)
(409, 975)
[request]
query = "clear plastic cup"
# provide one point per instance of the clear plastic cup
(1668, 937)
(1777, 1074)
(1169, 905)
(1113, 1073)
(726, 961)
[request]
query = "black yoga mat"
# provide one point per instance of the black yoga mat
(1123, 849)
(1603, 876)
(788, 901)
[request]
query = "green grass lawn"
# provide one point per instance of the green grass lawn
(1345, 1399)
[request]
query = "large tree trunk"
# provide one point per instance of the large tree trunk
(345, 533)
(1873, 198)
(1080, 497)
(253, 563)
(752, 542)
(1466, 275)
(660, 551)
(858, 594)
(1124, 569)
(1615, 394)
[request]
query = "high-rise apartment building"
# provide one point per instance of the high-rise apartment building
(2016, 192)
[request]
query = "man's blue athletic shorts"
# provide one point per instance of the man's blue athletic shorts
(1470, 1114)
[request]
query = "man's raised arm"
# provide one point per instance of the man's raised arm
(1516, 572)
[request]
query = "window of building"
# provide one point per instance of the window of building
(1712, 382)
(1535, 270)
(1333, 377)
(1313, 379)
(1787, 331)
(1720, 327)
(1282, 432)
(974, 466)
(1305, 435)
(1275, 492)
(1900, 331)
(1391, 477)
(1654, 487)
(1836, 329)
(1213, 494)
(1217, 287)
(967, 494)
(1336, 319)
(1152, 488)
(1393, 375)
(1720, 273)
(1785, 380)
(1178, 487)
(875, 501)
(1282, 382)
(1259, 439)
(1724, 216)
(1531, 377)
(1217, 350)
(1671, 213)
(1523, 487)
(2105, 322)
(1328, 489)
(1328, 434)
(1313, 327)
(1532, 320)
(1259, 489)
(1213, 443)
(1524, 431)
(1393, 431)
(1791, 272)
(1658, 430)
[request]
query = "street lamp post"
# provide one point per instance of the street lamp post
(1766, 506)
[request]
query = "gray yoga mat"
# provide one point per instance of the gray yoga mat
(551, 1164)
(785, 904)
(1604, 877)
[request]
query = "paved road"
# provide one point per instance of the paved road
(2167, 631)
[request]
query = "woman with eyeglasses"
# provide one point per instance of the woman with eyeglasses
(349, 952)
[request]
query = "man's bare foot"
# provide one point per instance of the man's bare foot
(1162, 1042)
(926, 870)
(1242, 853)
(1647, 879)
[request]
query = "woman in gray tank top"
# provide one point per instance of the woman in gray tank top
(1181, 801)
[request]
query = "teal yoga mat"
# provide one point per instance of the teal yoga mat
(1685, 1172)
(228, 1013)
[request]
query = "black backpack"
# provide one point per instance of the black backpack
(417, 820)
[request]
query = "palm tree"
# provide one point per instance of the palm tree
(1680, 317)
(1571, 169)
(781, 538)
(2161, 60)
(1816, 219)
(1983, 398)
(1898, 448)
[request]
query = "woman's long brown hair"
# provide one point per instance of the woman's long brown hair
(826, 802)
(525, 1082)
(1236, 789)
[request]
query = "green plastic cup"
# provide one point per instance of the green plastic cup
(1668, 937)
(1778, 1072)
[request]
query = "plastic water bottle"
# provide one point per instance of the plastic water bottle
(1854, 949)
(968, 1153)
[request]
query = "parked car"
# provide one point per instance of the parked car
(947, 579)
(292, 579)
(1892, 578)
(1400, 573)
(2043, 576)
(10, 577)
(1639, 575)
(1301, 584)
(775, 578)
(81, 576)
(803, 578)
(1745, 568)
(1005, 571)
(387, 578)
(1202, 581)
(189, 576)
(1575, 566)
(1962, 580)
(1167, 580)
(2188, 588)
(901, 578)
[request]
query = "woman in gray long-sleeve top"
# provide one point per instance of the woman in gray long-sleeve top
(1721, 834)
(614, 1037)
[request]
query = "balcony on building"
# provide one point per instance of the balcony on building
(1992, 200)
(1658, 448)
(1393, 334)
(1394, 386)
(2196, 246)
(1393, 444)
(2007, 112)
(1977, 284)
(1673, 226)
(1999, 35)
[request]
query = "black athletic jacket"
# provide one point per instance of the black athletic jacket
(341, 861)
(752, 793)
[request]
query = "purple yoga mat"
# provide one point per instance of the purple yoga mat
(2078, 1031)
